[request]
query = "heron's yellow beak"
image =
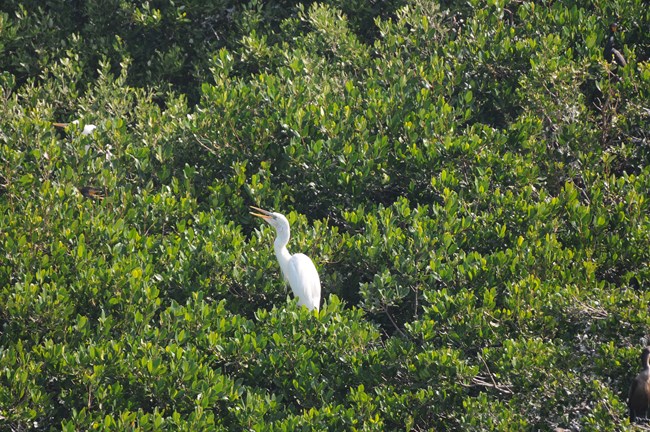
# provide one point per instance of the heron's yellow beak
(265, 214)
(61, 125)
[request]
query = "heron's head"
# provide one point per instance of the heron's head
(276, 220)
(613, 27)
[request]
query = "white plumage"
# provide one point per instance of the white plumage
(297, 269)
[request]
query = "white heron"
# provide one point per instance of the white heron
(87, 130)
(298, 269)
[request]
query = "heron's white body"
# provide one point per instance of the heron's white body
(88, 129)
(297, 269)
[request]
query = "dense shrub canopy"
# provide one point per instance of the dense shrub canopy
(470, 178)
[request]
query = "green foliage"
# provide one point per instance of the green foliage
(471, 181)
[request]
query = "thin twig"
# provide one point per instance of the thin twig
(488, 370)
(399, 330)
(417, 291)
(480, 381)
(211, 150)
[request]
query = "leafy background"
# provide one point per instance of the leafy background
(470, 178)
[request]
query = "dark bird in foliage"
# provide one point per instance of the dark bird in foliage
(639, 397)
(92, 192)
(611, 53)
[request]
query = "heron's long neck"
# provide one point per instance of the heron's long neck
(280, 247)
